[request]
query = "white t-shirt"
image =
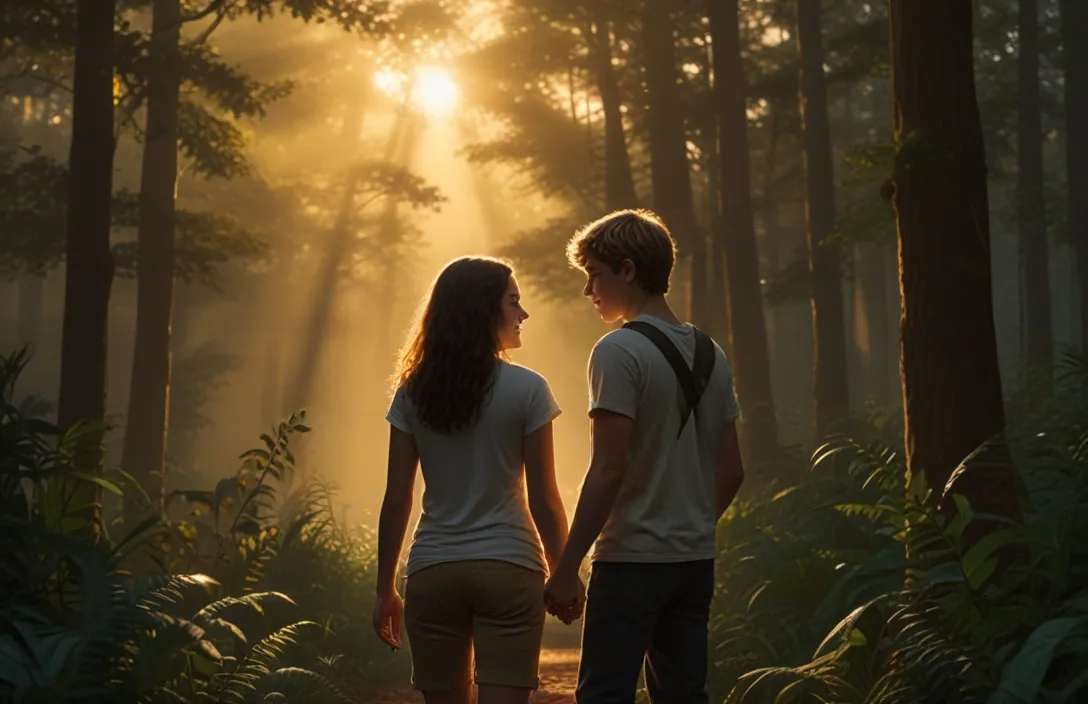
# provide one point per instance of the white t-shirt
(474, 502)
(665, 510)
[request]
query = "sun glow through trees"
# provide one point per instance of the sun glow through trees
(430, 89)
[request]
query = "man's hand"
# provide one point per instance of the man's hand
(388, 615)
(565, 596)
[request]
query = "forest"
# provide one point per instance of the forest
(217, 218)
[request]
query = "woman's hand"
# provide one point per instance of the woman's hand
(388, 615)
(565, 596)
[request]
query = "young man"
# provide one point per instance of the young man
(663, 472)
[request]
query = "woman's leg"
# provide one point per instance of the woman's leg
(438, 618)
(508, 624)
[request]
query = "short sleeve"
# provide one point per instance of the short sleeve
(542, 408)
(398, 412)
(613, 379)
(732, 407)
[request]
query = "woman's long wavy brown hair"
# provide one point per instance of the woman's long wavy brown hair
(448, 364)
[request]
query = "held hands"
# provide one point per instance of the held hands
(388, 615)
(565, 596)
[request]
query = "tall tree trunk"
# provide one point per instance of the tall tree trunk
(89, 263)
(28, 322)
(1074, 28)
(147, 419)
(619, 184)
(1030, 200)
(951, 381)
(672, 193)
(751, 360)
(828, 314)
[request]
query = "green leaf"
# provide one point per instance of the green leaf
(1021, 679)
(107, 485)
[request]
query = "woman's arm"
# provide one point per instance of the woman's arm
(396, 507)
(545, 504)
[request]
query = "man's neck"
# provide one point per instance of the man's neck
(655, 306)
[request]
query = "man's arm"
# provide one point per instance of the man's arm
(729, 474)
(396, 507)
(611, 433)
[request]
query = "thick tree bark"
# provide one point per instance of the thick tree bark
(619, 184)
(951, 381)
(672, 193)
(751, 360)
(147, 419)
(1075, 48)
(828, 314)
(1030, 200)
(89, 268)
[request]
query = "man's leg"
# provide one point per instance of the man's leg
(676, 664)
(623, 601)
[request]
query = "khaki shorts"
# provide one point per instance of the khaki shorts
(495, 608)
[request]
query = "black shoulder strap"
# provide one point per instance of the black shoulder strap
(693, 382)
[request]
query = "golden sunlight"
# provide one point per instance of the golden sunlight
(433, 90)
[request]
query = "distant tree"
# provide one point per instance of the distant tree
(828, 315)
(1031, 199)
(1074, 26)
(748, 331)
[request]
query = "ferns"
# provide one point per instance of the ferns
(78, 627)
(921, 614)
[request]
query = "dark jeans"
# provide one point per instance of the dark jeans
(646, 613)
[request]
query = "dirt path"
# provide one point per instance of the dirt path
(558, 675)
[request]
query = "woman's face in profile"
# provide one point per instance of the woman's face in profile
(512, 317)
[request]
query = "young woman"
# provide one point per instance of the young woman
(493, 523)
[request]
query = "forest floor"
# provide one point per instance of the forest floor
(558, 676)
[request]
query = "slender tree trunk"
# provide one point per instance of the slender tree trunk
(828, 314)
(951, 381)
(1030, 200)
(1074, 28)
(301, 381)
(672, 193)
(619, 183)
(751, 361)
(147, 420)
(89, 268)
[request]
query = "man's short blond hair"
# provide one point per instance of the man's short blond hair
(638, 235)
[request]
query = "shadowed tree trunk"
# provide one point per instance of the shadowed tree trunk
(1074, 29)
(751, 361)
(147, 419)
(619, 185)
(1030, 200)
(89, 268)
(828, 314)
(672, 193)
(951, 382)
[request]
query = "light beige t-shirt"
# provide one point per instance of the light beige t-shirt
(474, 502)
(665, 510)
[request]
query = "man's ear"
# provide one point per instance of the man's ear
(628, 271)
